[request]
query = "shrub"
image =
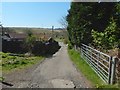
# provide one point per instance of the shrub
(65, 41)
(70, 46)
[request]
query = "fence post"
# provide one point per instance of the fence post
(113, 69)
(91, 55)
(81, 51)
(98, 58)
(109, 72)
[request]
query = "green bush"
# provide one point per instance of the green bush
(65, 41)
(23, 62)
(2, 78)
(108, 39)
(4, 55)
(70, 46)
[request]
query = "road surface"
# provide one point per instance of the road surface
(57, 71)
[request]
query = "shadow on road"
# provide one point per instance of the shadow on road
(8, 84)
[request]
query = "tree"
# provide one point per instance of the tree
(107, 39)
(64, 22)
(30, 40)
(78, 23)
(82, 18)
(64, 25)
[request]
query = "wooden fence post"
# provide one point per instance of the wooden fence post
(81, 51)
(118, 72)
(113, 69)
(118, 54)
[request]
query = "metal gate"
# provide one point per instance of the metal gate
(101, 63)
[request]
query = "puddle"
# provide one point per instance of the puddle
(61, 83)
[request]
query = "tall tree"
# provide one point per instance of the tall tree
(85, 17)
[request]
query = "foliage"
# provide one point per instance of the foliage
(38, 48)
(83, 18)
(107, 39)
(70, 46)
(63, 22)
(30, 40)
(65, 41)
(48, 48)
(2, 79)
(14, 46)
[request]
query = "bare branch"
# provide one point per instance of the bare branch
(63, 22)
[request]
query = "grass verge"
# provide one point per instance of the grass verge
(87, 71)
(10, 62)
(59, 39)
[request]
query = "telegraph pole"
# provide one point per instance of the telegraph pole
(1, 28)
(1, 34)
(52, 31)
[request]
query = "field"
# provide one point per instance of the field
(38, 32)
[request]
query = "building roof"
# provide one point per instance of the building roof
(17, 35)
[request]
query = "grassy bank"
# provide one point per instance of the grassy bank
(87, 71)
(10, 62)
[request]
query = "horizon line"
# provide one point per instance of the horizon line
(32, 27)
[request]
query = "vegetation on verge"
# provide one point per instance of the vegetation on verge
(11, 61)
(1, 79)
(87, 71)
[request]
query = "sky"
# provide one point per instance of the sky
(33, 14)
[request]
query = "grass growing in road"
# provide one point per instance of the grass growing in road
(10, 62)
(87, 71)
